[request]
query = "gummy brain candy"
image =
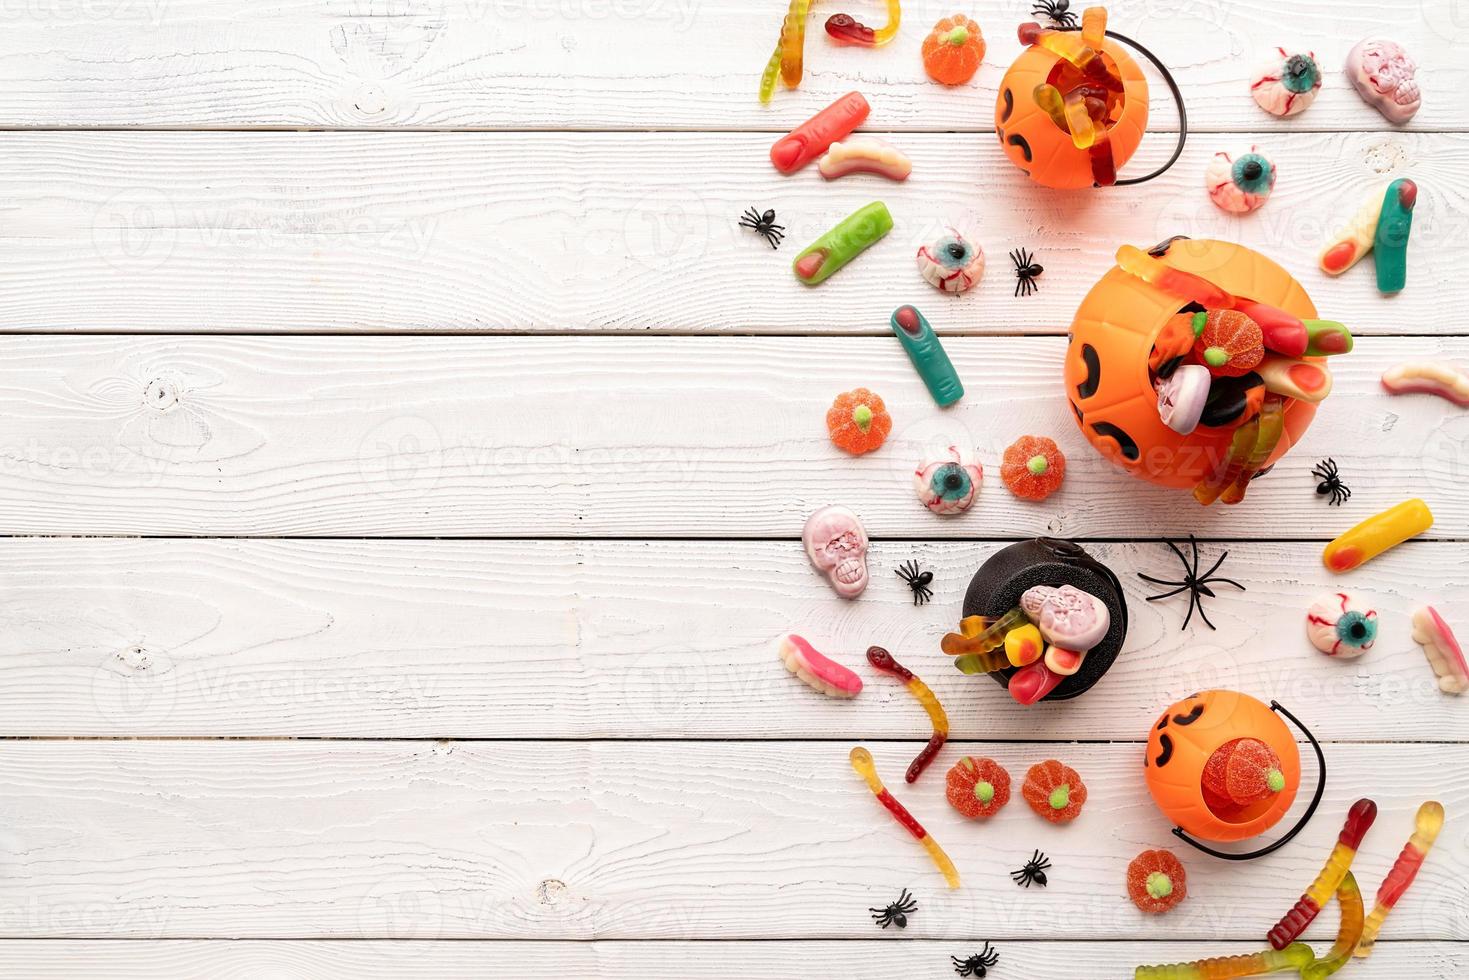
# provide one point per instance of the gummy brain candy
(948, 484)
(1240, 185)
(1240, 772)
(1054, 791)
(858, 421)
(1156, 881)
(953, 50)
(1033, 467)
(977, 788)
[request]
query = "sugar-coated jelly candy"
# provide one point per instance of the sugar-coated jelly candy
(1228, 342)
(977, 788)
(1054, 791)
(1341, 625)
(836, 543)
(1033, 467)
(953, 50)
(814, 136)
(852, 236)
(1242, 771)
(1377, 534)
(858, 421)
(1156, 881)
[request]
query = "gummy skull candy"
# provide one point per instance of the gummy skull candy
(1340, 625)
(951, 263)
(949, 483)
(1383, 75)
(1068, 617)
(836, 543)
(1286, 82)
(1240, 185)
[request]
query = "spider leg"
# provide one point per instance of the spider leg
(1167, 595)
(1193, 600)
(1213, 568)
(1231, 582)
(1179, 553)
(1205, 616)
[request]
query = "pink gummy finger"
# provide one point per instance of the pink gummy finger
(814, 136)
(1428, 379)
(1442, 650)
(817, 670)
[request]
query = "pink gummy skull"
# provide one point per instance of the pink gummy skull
(836, 543)
(1067, 617)
(1383, 75)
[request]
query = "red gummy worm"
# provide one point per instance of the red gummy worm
(901, 814)
(884, 662)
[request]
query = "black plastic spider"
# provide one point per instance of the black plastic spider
(896, 913)
(1331, 484)
(917, 581)
(977, 965)
(1026, 270)
(1196, 585)
(1058, 10)
(764, 224)
(1034, 870)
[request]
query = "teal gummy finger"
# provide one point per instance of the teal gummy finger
(1391, 242)
(850, 238)
(927, 354)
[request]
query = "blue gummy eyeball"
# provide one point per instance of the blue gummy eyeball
(1356, 630)
(953, 252)
(1253, 174)
(950, 482)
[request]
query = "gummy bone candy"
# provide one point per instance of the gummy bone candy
(1427, 824)
(953, 50)
(1383, 75)
(1067, 616)
(977, 788)
(951, 263)
(1377, 534)
(865, 155)
(1296, 956)
(1241, 185)
(1431, 632)
(1340, 625)
(836, 543)
(1352, 241)
(816, 135)
(1391, 241)
(928, 356)
(1428, 378)
(884, 662)
(852, 236)
(1286, 82)
(863, 765)
(820, 672)
(844, 28)
(948, 484)
(1338, 864)
(978, 647)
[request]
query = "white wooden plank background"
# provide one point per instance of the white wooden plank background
(340, 648)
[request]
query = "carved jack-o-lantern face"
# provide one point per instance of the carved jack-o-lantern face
(1107, 379)
(1180, 744)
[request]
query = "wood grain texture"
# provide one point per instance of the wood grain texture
(633, 64)
(442, 232)
(648, 437)
(858, 960)
(623, 640)
(614, 840)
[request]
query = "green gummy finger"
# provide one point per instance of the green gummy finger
(852, 236)
(1327, 337)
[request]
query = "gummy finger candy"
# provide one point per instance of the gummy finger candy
(1033, 467)
(927, 354)
(1377, 534)
(1063, 662)
(1383, 75)
(865, 155)
(1067, 616)
(836, 543)
(1327, 337)
(949, 484)
(858, 421)
(1024, 645)
(1054, 791)
(1338, 865)
(1156, 881)
(1031, 683)
(1431, 632)
(1427, 824)
(862, 763)
(1281, 332)
(1241, 185)
(884, 662)
(1348, 934)
(1390, 244)
(953, 51)
(1308, 381)
(1354, 240)
(1341, 625)
(852, 236)
(951, 263)
(816, 135)
(793, 42)
(1296, 956)
(977, 788)
(1182, 397)
(1286, 83)
(844, 29)
(1185, 285)
(1427, 378)
(978, 647)
(1228, 342)
(820, 672)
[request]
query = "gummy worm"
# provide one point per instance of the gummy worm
(978, 646)
(862, 762)
(1349, 898)
(1296, 956)
(1338, 867)
(1427, 824)
(793, 42)
(1186, 285)
(884, 662)
(845, 29)
(772, 70)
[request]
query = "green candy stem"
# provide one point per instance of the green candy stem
(1159, 885)
(1037, 465)
(1275, 779)
(862, 415)
(1060, 796)
(984, 792)
(957, 36)
(1216, 356)
(1200, 320)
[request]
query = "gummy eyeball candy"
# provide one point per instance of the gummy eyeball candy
(1341, 625)
(951, 262)
(977, 788)
(1240, 185)
(1067, 616)
(1156, 881)
(836, 543)
(1286, 82)
(948, 484)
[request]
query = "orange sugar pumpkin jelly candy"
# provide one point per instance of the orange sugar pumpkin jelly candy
(977, 788)
(1156, 881)
(858, 422)
(1377, 534)
(1054, 791)
(953, 50)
